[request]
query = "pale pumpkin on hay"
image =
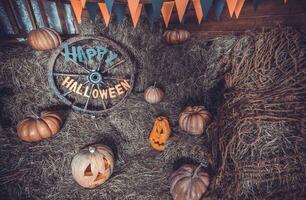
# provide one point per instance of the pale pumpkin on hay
(160, 133)
(44, 39)
(194, 120)
(153, 94)
(93, 165)
(34, 129)
(189, 182)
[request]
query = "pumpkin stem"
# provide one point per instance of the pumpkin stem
(197, 170)
(35, 115)
(92, 149)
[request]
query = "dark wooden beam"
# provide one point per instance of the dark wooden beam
(24, 35)
(10, 15)
(43, 12)
(31, 13)
(16, 16)
(61, 13)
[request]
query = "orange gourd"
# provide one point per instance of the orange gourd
(160, 133)
(176, 36)
(34, 129)
(44, 39)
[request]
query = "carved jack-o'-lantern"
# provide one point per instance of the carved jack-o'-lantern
(92, 166)
(160, 133)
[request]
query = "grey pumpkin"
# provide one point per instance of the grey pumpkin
(189, 182)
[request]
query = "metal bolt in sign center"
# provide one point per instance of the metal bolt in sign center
(95, 77)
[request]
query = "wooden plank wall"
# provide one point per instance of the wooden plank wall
(10, 9)
(270, 13)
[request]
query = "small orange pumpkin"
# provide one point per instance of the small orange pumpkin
(44, 39)
(34, 129)
(176, 36)
(189, 182)
(194, 119)
(93, 165)
(153, 94)
(160, 133)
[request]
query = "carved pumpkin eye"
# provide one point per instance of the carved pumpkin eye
(100, 176)
(87, 171)
(107, 165)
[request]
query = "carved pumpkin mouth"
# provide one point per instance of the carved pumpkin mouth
(100, 176)
(158, 143)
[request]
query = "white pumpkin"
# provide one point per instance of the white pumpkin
(153, 94)
(93, 165)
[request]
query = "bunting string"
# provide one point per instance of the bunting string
(158, 8)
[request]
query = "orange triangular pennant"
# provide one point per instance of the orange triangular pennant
(77, 9)
(181, 6)
(198, 10)
(133, 6)
(105, 13)
(83, 3)
(166, 11)
(136, 15)
(231, 4)
(238, 8)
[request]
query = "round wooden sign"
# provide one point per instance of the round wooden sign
(91, 74)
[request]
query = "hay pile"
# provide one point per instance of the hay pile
(260, 131)
(257, 141)
(189, 74)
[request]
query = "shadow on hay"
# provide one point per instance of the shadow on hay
(6, 92)
(108, 141)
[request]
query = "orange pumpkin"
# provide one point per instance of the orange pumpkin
(93, 165)
(160, 133)
(176, 36)
(194, 119)
(189, 182)
(34, 129)
(44, 39)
